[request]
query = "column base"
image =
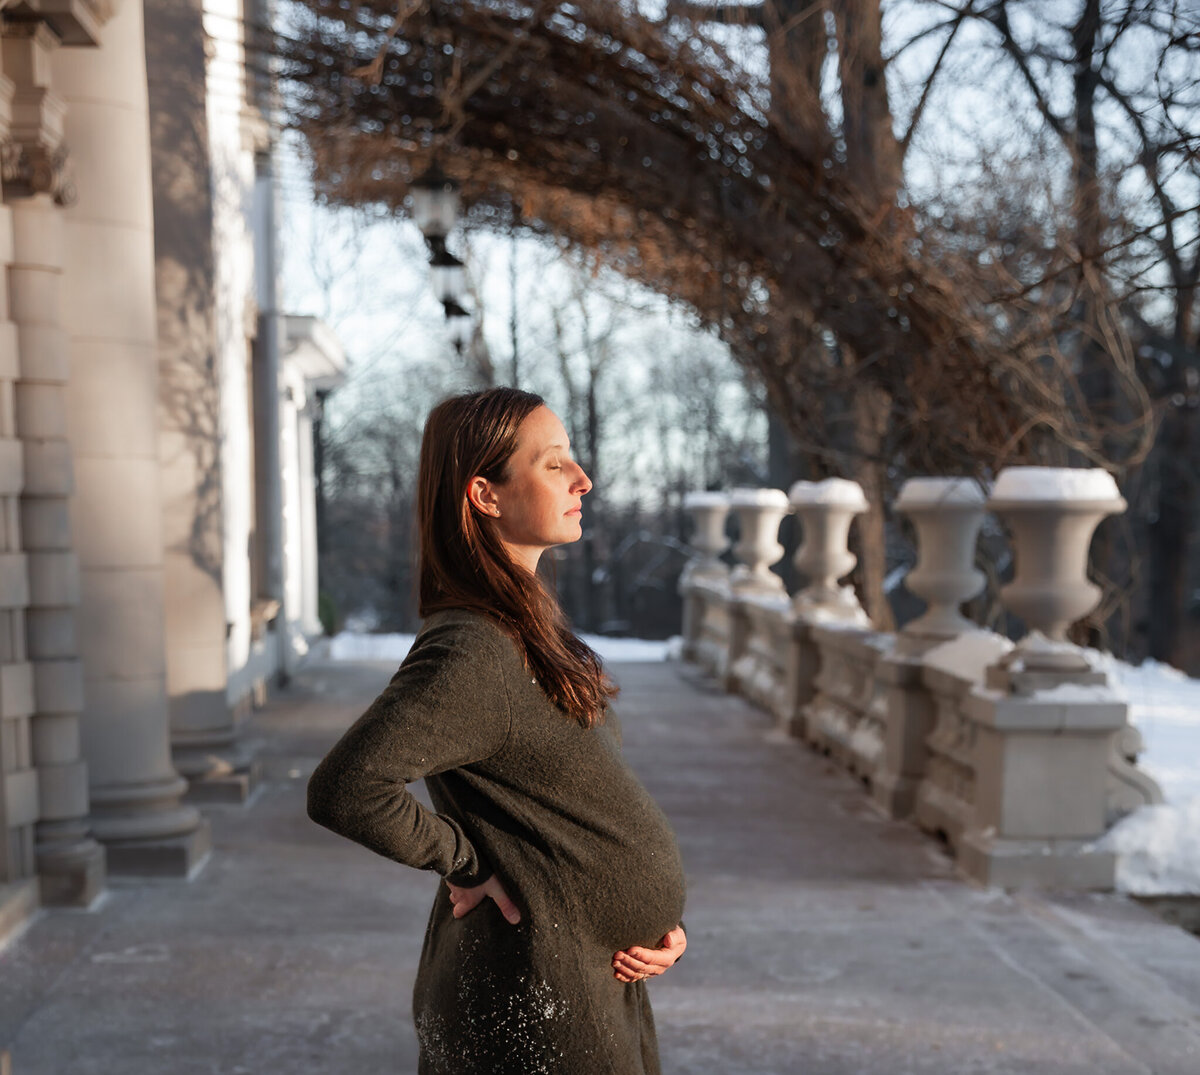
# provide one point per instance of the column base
(72, 878)
(18, 902)
(218, 769)
(1004, 862)
(173, 856)
(224, 784)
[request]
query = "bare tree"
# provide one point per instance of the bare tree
(774, 206)
(1125, 260)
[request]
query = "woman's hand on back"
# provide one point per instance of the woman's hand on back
(634, 964)
(466, 899)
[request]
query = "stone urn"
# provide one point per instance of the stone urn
(946, 514)
(759, 512)
(708, 511)
(1052, 514)
(826, 510)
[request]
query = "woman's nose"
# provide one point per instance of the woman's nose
(582, 482)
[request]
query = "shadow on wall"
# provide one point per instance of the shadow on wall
(189, 393)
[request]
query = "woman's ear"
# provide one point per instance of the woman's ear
(482, 495)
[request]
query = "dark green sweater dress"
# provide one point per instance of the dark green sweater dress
(575, 839)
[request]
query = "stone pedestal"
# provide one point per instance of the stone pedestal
(109, 314)
(1046, 717)
(759, 513)
(825, 510)
(1041, 762)
(946, 514)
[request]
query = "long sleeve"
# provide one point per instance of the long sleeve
(446, 707)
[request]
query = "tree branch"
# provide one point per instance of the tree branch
(724, 14)
(997, 16)
(955, 25)
(1148, 158)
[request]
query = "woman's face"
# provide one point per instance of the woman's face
(539, 502)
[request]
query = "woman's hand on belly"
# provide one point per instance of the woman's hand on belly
(467, 899)
(634, 964)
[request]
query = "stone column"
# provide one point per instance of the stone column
(70, 863)
(291, 636)
(18, 777)
(825, 510)
(1047, 714)
(313, 364)
(110, 314)
(946, 514)
(759, 513)
(201, 431)
(309, 612)
(708, 510)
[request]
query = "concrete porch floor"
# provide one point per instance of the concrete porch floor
(824, 938)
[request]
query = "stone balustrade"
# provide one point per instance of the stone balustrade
(1019, 755)
(847, 715)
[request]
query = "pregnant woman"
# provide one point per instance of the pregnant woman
(564, 886)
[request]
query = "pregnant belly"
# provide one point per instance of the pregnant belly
(629, 884)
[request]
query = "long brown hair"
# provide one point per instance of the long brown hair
(465, 565)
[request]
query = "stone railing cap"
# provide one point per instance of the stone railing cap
(830, 491)
(967, 656)
(703, 498)
(758, 498)
(933, 492)
(1054, 483)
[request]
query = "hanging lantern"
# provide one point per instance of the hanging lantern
(449, 276)
(459, 325)
(434, 201)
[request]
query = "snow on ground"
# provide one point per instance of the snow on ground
(1165, 707)
(356, 646)
(359, 646)
(1158, 847)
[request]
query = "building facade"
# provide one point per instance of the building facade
(156, 465)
